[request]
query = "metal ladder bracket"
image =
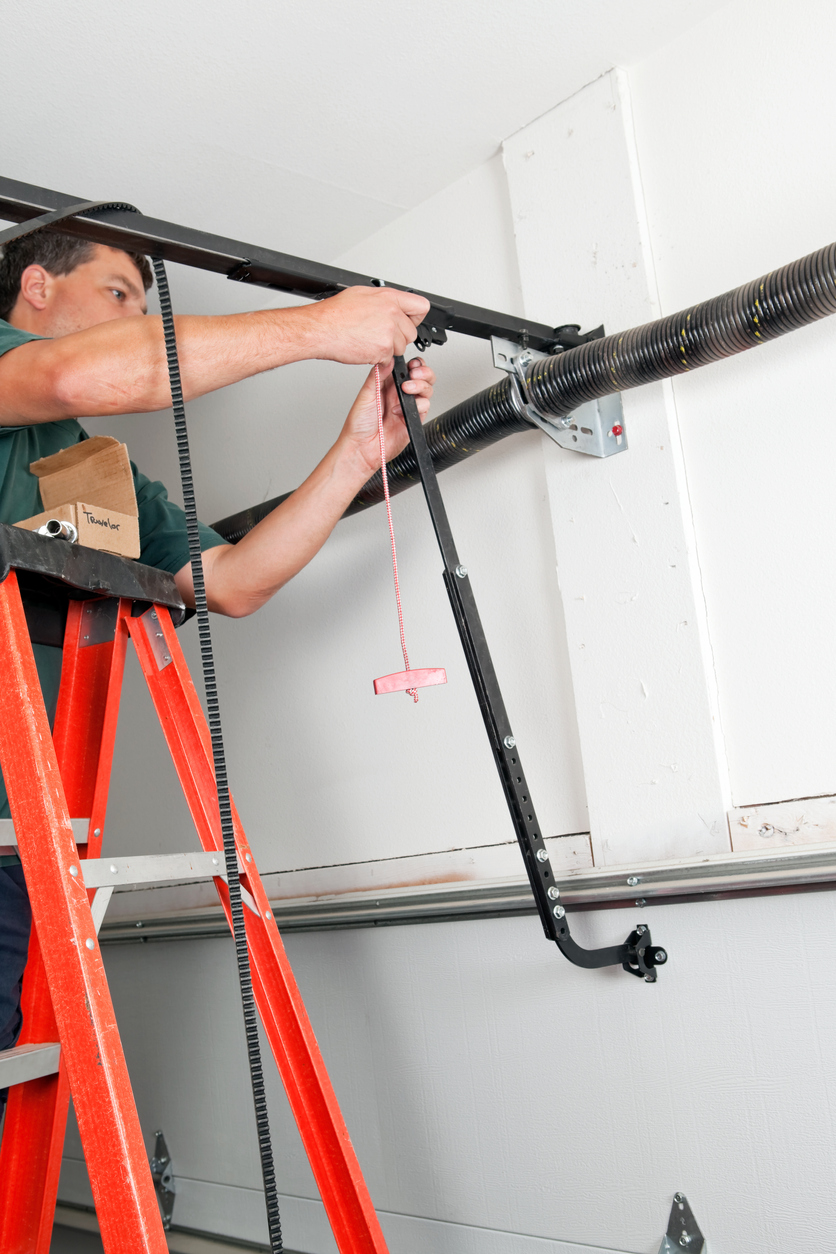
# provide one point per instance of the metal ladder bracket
(596, 428)
(683, 1230)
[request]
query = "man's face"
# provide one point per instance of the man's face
(106, 287)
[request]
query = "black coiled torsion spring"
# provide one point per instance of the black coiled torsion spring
(783, 300)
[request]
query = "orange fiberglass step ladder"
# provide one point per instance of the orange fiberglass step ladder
(57, 786)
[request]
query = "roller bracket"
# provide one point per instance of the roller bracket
(683, 1230)
(163, 1178)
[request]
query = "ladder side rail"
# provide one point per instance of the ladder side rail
(123, 1191)
(309, 1090)
(36, 1117)
(88, 710)
(33, 1131)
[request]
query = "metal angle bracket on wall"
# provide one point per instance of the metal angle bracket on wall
(596, 428)
(683, 1230)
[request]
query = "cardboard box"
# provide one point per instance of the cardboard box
(90, 485)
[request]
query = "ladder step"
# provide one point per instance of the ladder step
(8, 840)
(157, 868)
(28, 1062)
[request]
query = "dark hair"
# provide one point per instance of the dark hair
(59, 254)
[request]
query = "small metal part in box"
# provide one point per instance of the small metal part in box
(91, 485)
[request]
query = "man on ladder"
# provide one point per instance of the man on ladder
(74, 343)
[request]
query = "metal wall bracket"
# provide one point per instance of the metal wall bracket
(163, 1178)
(683, 1230)
(596, 428)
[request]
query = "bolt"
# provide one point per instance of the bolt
(678, 1197)
(542, 855)
(160, 634)
(509, 742)
(641, 929)
(633, 880)
(524, 359)
(461, 571)
(114, 870)
(660, 956)
(139, 924)
(249, 857)
(166, 658)
(766, 830)
(153, 613)
(650, 979)
(73, 871)
(97, 831)
(685, 1239)
(558, 912)
(86, 637)
(267, 914)
(566, 421)
(640, 902)
(554, 893)
(215, 862)
(90, 943)
(617, 431)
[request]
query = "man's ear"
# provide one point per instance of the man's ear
(35, 283)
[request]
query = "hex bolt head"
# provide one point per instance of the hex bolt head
(558, 912)
(554, 893)
(641, 929)
(542, 855)
(633, 880)
(509, 742)
(566, 421)
(461, 571)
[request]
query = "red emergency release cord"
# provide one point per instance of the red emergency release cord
(406, 680)
(412, 692)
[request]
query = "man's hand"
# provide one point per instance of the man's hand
(363, 325)
(360, 430)
(240, 578)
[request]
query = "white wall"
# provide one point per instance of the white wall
(323, 771)
(734, 126)
(494, 1092)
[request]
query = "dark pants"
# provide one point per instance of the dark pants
(15, 921)
(15, 914)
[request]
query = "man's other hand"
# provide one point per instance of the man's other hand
(360, 430)
(364, 325)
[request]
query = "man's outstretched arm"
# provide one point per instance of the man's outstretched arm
(119, 367)
(240, 578)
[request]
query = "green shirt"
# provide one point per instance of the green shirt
(162, 524)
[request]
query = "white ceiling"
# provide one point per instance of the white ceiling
(301, 126)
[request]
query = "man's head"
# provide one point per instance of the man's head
(54, 284)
